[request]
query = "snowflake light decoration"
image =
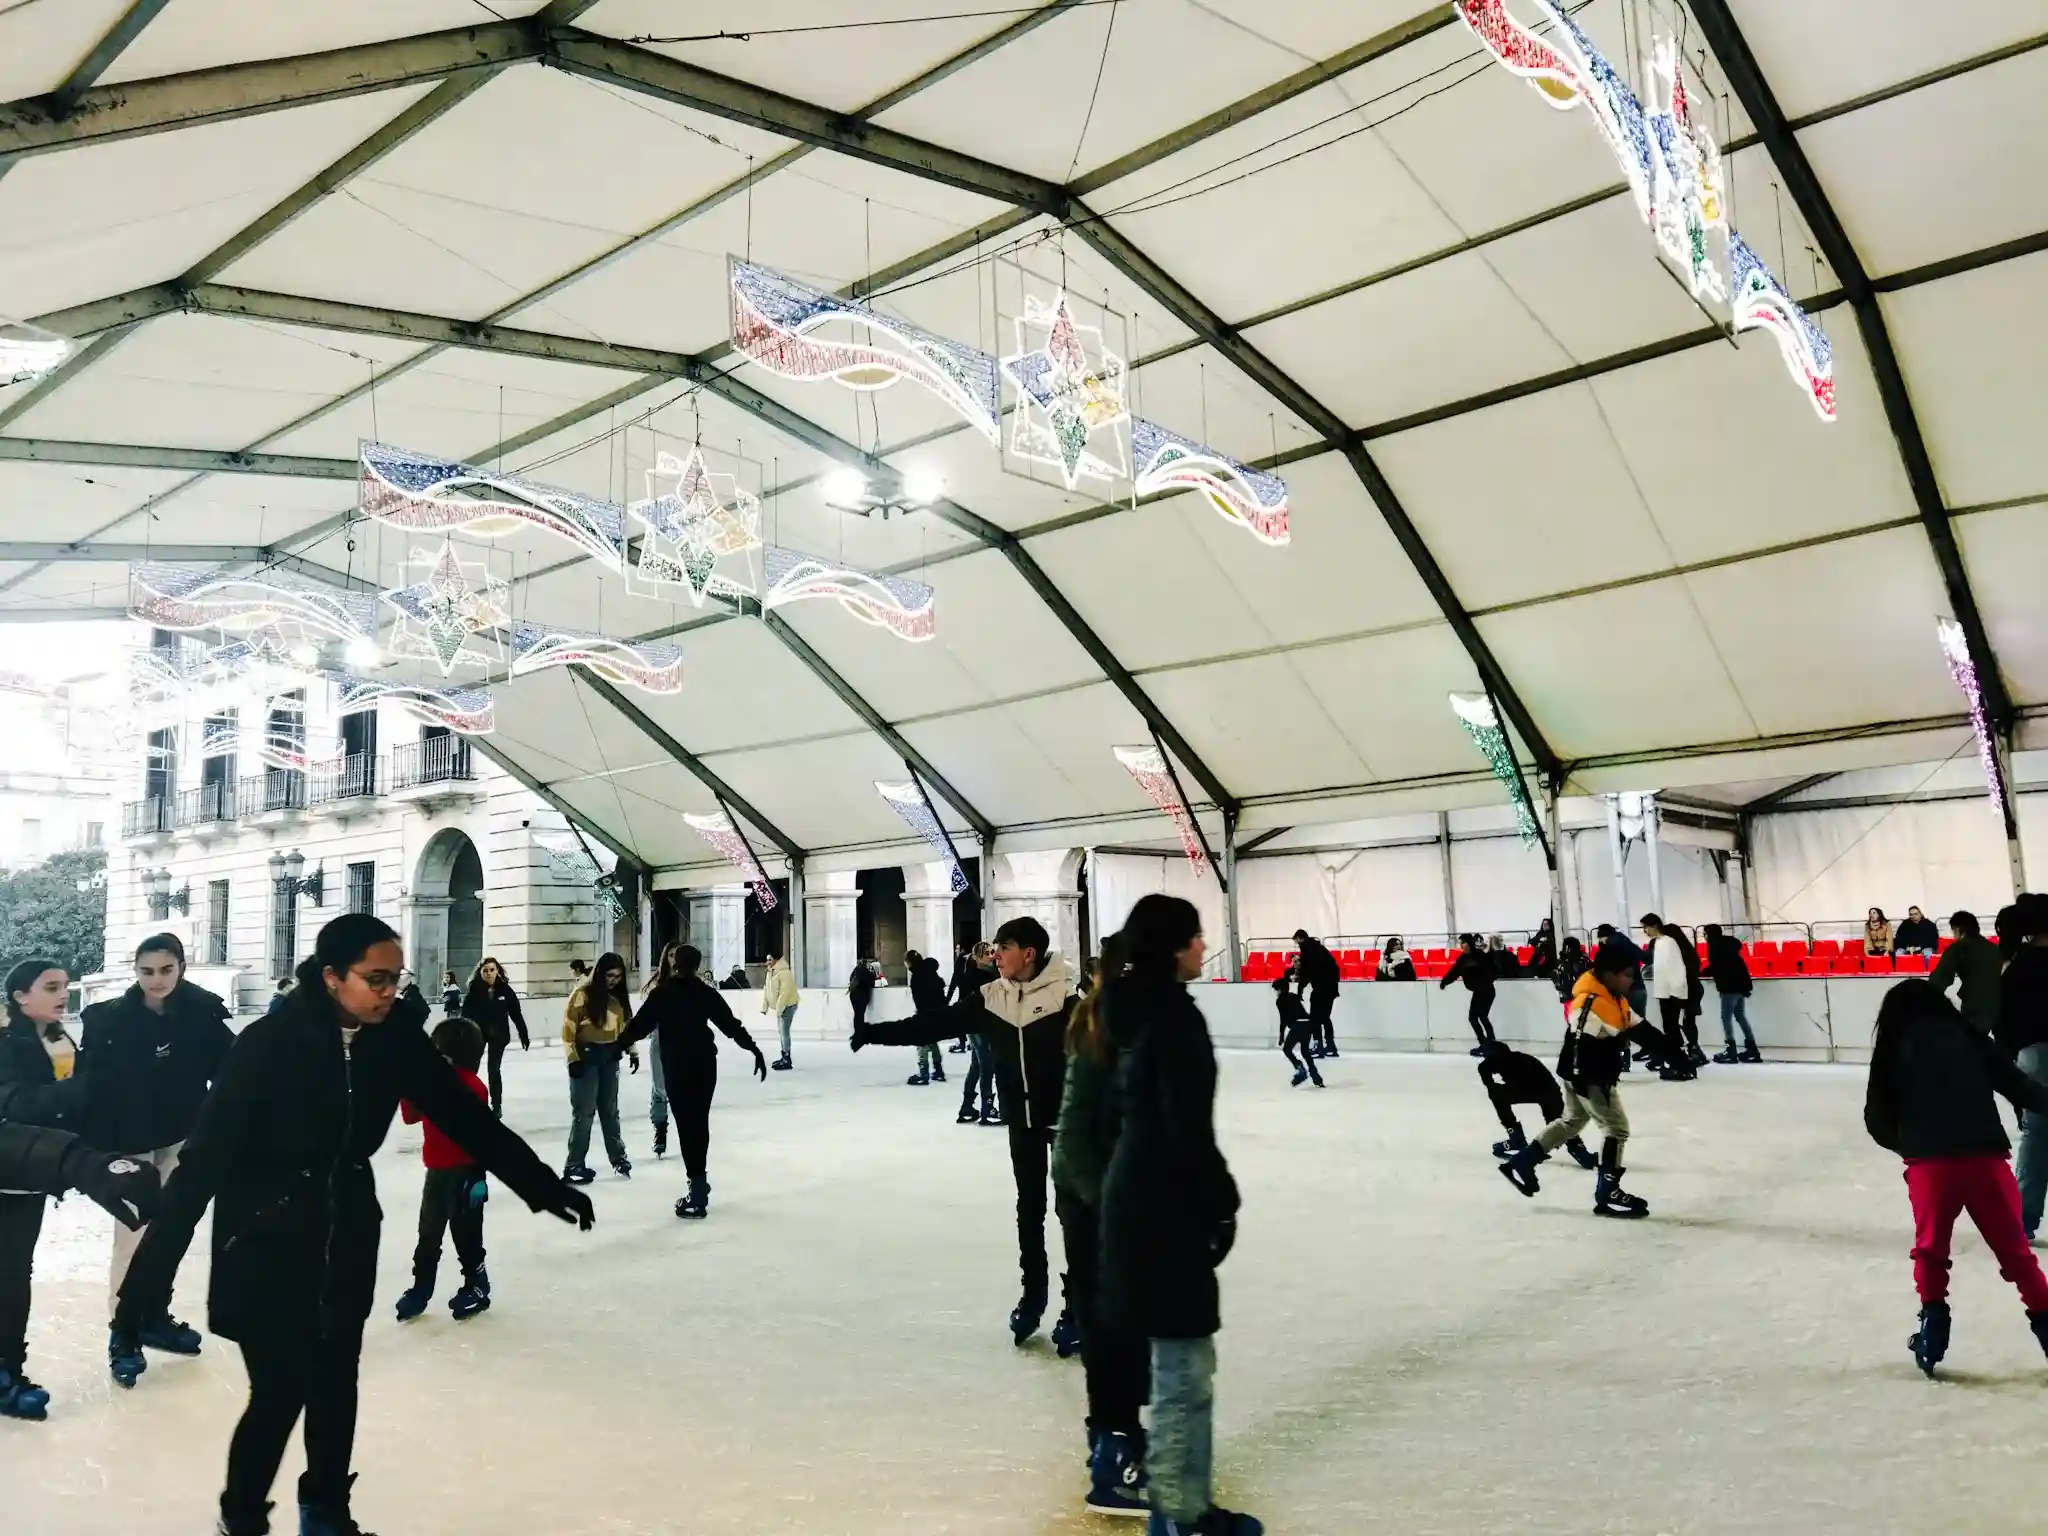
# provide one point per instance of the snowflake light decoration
(693, 517)
(466, 711)
(1147, 764)
(650, 666)
(909, 801)
(27, 352)
(1476, 713)
(1168, 461)
(1955, 645)
(732, 846)
(427, 494)
(895, 603)
(775, 321)
(440, 614)
(1070, 389)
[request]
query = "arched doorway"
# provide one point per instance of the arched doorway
(448, 908)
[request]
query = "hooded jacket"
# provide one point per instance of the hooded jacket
(495, 1011)
(2023, 999)
(1476, 969)
(147, 1074)
(1972, 960)
(681, 1013)
(779, 991)
(1728, 968)
(29, 1085)
(927, 986)
(1026, 1026)
(1931, 1086)
(1316, 965)
(283, 1152)
(1168, 1199)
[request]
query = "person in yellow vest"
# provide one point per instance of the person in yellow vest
(778, 1002)
(1595, 1046)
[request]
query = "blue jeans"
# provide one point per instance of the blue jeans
(1735, 1010)
(657, 1099)
(2031, 1166)
(782, 1023)
(1180, 1455)
(595, 1094)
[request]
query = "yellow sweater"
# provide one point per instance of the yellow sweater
(579, 1029)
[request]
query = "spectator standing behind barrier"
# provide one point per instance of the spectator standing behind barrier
(1916, 935)
(1394, 962)
(1733, 984)
(1877, 933)
(1316, 968)
(1972, 960)
(2023, 1032)
(860, 991)
(1543, 957)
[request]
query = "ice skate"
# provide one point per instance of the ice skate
(1581, 1153)
(1610, 1199)
(1116, 1475)
(1696, 1057)
(990, 1117)
(938, 1072)
(956, 1049)
(1317, 1078)
(1750, 1055)
(968, 1115)
(660, 1139)
(414, 1302)
(1025, 1318)
(1520, 1169)
(1329, 1054)
(780, 1064)
(1066, 1335)
(170, 1336)
(696, 1205)
(21, 1398)
(2038, 1321)
(623, 1168)
(329, 1520)
(124, 1357)
(577, 1173)
(1477, 1050)
(1930, 1340)
(1727, 1058)
(1300, 1077)
(1217, 1522)
(474, 1297)
(918, 1079)
(1510, 1144)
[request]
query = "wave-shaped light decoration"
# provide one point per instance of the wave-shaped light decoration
(1761, 303)
(1167, 461)
(907, 799)
(420, 492)
(731, 845)
(775, 319)
(894, 603)
(1955, 646)
(573, 866)
(466, 711)
(179, 598)
(650, 666)
(1147, 764)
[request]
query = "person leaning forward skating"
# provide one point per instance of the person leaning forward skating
(283, 1151)
(1514, 1077)
(1024, 1014)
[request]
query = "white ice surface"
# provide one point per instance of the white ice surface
(1408, 1347)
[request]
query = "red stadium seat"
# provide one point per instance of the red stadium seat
(1877, 965)
(1524, 954)
(1911, 965)
(1845, 965)
(1814, 965)
(1763, 952)
(1794, 949)
(1352, 968)
(1371, 957)
(1827, 949)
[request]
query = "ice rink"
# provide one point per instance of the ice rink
(1408, 1346)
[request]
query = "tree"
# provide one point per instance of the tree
(44, 913)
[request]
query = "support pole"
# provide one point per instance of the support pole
(988, 881)
(1235, 972)
(1556, 855)
(796, 921)
(2015, 853)
(1443, 848)
(1617, 851)
(1650, 841)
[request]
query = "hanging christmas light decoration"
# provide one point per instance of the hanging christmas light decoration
(775, 320)
(444, 612)
(466, 711)
(731, 844)
(27, 352)
(1070, 391)
(1955, 645)
(895, 603)
(1476, 713)
(1674, 172)
(693, 517)
(179, 598)
(1168, 461)
(426, 494)
(650, 666)
(573, 865)
(909, 801)
(1147, 764)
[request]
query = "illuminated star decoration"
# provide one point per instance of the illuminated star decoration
(466, 711)
(573, 866)
(423, 493)
(908, 800)
(775, 318)
(1673, 171)
(1167, 461)
(440, 614)
(1147, 764)
(699, 518)
(895, 603)
(650, 666)
(1956, 647)
(27, 353)
(1064, 398)
(732, 846)
(1476, 713)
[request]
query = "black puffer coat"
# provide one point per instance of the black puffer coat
(147, 1074)
(495, 1011)
(282, 1151)
(1931, 1086)
(1168, 1198)
(28, 1081)
(927, 986)
(682, 1012)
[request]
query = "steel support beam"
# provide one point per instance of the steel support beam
(575, 817)
(1746, 78)
(123, 554)
(1778, 797)
(689, 761)
(98, 60)
(43, 450)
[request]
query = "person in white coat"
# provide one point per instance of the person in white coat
(1671, 986)
(778, 1001)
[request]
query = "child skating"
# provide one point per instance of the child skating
(1514, 1077)
(453, 1197)
(1930, 1099)
(1297, 1032)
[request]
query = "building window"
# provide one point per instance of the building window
(284, 933)
(362, 887)
(95, 834)
(31, 837)
(215, 948)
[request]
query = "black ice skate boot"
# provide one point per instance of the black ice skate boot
(1727, 1058)
(1750, 1055)
(166, 1333)
(329, 1520)
(1300, 1077)
(1217, 1522)
(1512, 1143)
(1581, 1153)
(660, 1139)
(124, 1356)
(1025, 1318)
(1930, 1340)
(1066, 1335)
(474, 1297)
(623, 1168)
(21, 1398)
(2038, 1321)
(921, 1078)
(696, 1205)
(1116, 1475)
(938, 1071)
(415, 1301)
(1609, 1198)
(577, 1173)
(1520, 1168)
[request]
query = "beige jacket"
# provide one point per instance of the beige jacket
(780, 991)
(579, 1029)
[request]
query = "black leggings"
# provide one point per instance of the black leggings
(1321, 1032)
(1118, 1362)
(1480, 1015)
(495, 1061)
(1030, 1163)
(287, 1377)
(1681, 1028)
(691, 1085)
(446, 1206)
(1301, 1037)
(21, 1221)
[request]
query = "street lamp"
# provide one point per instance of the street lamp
(156, 889)
(288, 877)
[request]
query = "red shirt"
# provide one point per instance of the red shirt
(440, 1151)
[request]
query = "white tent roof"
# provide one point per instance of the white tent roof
(1338, 238)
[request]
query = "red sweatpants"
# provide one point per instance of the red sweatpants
(1941, 1188)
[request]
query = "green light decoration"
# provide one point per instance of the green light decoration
(1481, 720)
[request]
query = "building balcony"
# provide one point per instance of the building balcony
(206, 809)
(272, 797)
(437, 768)
(344, 785)
(147, 819)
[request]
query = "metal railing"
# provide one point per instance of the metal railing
(205, 804)
(433, 760)
(354, 777)
(280, 789)
(139, 818)
(1847, 933)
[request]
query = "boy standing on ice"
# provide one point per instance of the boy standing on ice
(453, 1197)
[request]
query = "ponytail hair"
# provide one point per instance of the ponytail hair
(1086, 1034)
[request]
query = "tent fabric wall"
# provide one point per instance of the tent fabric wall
(1117, 880)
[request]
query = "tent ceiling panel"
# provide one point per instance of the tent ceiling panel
(197, 34)
(1561, 658)
(1831, 636)
(821, 793)
(1971, 349)
(43, 48)
(267, 508)
(46, 502)
(1039, 759)
(108, 218)
(1030, 106)
(654, 798)
(978, 476)
(1385, 351)
(1812, 62)
(67, 584)
(1942, 170)
(1259, 725)
(1210, 401)
(1791, 760)
(2007, 554)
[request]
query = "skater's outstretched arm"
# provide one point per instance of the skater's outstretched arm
(39, 1161)
(518, 1018)
(430, 1083)
(721, 1016)
(966, 1017)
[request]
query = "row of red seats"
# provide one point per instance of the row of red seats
(1363, 964)
(1826, 957)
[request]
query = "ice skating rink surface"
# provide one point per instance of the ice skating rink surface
(1409, 1347)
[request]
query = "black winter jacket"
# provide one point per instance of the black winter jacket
(860, 983)
(29, 1090)
(1475, 968)
(1317, 967)
(1931, 1086)
(282, 1151)
(1168, 1200)
(1520, 1077)
(2023, 999)
(147, 1074)
(1728, 968)
(495, 1011)
(1912, 935)
(927, 986)
(32, 1159)
(682, 1012)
